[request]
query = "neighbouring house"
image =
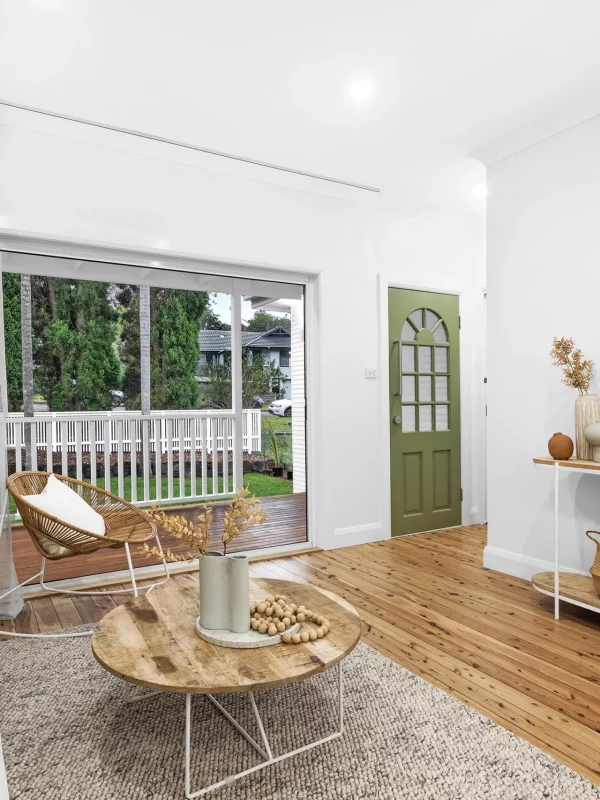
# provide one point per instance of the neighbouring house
(274, 345)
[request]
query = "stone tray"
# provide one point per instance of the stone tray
(241, 640)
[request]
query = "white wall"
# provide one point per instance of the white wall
(101, 190)
(543, 281)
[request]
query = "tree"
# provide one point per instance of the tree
(27, 363)
(213, 322)
(260, 376)
(145, 363)
(175, 316)
(11, 290)
(75, 331)
(263, 321)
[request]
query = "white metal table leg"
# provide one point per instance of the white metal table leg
(131, 573)
(556, 541)
(268, 761)
(261, 728)
(237, 725)
(136, 698)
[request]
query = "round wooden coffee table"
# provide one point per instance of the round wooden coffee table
(151, 641)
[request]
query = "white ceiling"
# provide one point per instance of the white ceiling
(266, 80)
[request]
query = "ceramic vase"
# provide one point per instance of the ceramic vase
(592, 436)
(560, 446)
(224, 592)
(587, 411)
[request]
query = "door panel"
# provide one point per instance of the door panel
(424, 410)
(442, 483)
(413, 483)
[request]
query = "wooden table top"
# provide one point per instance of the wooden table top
(151, 641)
(570, 463)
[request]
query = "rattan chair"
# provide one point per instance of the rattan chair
(55, 540)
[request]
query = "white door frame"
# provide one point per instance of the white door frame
(155, 260)
(466, 456)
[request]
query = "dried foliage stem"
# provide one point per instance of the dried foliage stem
(577, 371)
(244, 513)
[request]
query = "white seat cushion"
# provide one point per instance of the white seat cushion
(60, 501)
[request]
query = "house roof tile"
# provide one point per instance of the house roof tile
(220, 341)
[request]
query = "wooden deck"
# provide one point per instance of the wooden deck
(286, 525)
(426, 602)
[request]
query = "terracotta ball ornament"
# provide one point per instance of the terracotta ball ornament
(274, 615)
(560, 447)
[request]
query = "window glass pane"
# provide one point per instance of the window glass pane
(424, 389)
(417, 318)
(441, 388)
(408, 358)
(424, 358)
(441, 418)
(430, 318)
(408, 332)
(440, 334)
(441, 359)
(408, 388)
(408, 419)
(425, 418)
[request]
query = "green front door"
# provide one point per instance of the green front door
(424, 410)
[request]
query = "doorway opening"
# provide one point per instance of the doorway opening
(165, 387)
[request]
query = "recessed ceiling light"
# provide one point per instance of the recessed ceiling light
(479, 190)
(360, 90)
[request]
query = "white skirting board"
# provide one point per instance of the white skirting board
(519, 565)
(357, 534)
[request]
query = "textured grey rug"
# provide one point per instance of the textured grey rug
(68, 735)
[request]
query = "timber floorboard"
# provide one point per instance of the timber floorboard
(427, 603)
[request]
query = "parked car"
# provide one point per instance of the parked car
(117, 398)
(281, 408)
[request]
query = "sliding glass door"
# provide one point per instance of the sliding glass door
(164, 387)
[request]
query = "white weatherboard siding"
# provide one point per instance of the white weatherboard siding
(543, 281)
(72, 183)
(298, 395)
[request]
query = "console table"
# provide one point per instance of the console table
(569, 587)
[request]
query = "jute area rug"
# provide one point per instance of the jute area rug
(67, 734)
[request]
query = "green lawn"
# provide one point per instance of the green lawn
(259, 485)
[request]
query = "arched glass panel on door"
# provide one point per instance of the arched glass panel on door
(425, 376)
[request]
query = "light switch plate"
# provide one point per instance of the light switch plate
(370, 373)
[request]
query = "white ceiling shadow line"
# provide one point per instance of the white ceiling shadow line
(188, 146)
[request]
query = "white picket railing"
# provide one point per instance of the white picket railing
(170, 442)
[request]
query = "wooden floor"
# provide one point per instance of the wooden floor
(427, 603)
(286, 525)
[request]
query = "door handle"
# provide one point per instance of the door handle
(397, 420)
(399, 392)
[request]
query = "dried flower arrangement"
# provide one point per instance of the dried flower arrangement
(245, 512)
(577, 371)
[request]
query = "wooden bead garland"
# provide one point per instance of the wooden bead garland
(275, 615)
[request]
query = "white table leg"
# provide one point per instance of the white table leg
(556, 541)
(268, 755)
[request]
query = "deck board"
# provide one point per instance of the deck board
(286, 525)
